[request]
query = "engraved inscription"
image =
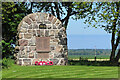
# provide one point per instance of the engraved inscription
(42, 44)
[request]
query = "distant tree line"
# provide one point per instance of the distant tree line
(89, 51)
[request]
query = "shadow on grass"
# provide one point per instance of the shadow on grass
(92, 63)
(60, 79)
(119, 72)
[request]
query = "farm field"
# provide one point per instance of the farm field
(88, 56)
(89, 53)
(17, 71)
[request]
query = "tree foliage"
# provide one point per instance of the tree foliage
(62, 10)
(12, 14)
(107, 15)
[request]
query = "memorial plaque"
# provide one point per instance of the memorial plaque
(42, 44)
(43, 55)
(41, 37)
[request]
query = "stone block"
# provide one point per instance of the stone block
(54, 27)
(27, 61)
(32, 41)
(21, 48)
(60, 34)
(50, 17)
(64, 41)
(62, 29)
(27, 36)
(46, 33)
(53, 43)
(51, 38)
(65, 47)
(58, 48)
(38, 33)
(45, 16)
(55, 61)
(49, 26)
(64, 35)
(16, 50)
(23, 42)
(51, 56)
(20, 36)
(61, 51)
(30, 26)
(56, 36)
(35, 26)
(52, 48)
(16, 47)
(52, 32)
(20, 25)
(24, 25)
(23, 54)
(41, 33)
(57, 23)
(46, 22)
(31, 54)
(54, 20)
(55, 40)
(56, 32)
(23, 30)
(34, 33)
(20, 61)
(32, 17)
(27, 20)
(58, 55)
(60, 26)
(27, 49)
(32, 48)
(30, 31)
(62, 62)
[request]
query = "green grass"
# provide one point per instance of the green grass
(0, 69)
(88, 56)
(17, 71)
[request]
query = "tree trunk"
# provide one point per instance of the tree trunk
(114, 45)
(118, 56)
(118, 39)
(112, 56)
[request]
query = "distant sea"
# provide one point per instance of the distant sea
(89, 41)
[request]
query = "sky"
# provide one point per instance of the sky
(82, 37)
(79, 28)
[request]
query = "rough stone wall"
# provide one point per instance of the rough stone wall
(41, 25)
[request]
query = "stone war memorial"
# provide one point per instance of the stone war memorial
(41, 37)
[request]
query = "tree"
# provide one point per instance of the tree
(13, 12)
(62, 10)
(107, 15)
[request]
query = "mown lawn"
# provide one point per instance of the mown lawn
(60, 72)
